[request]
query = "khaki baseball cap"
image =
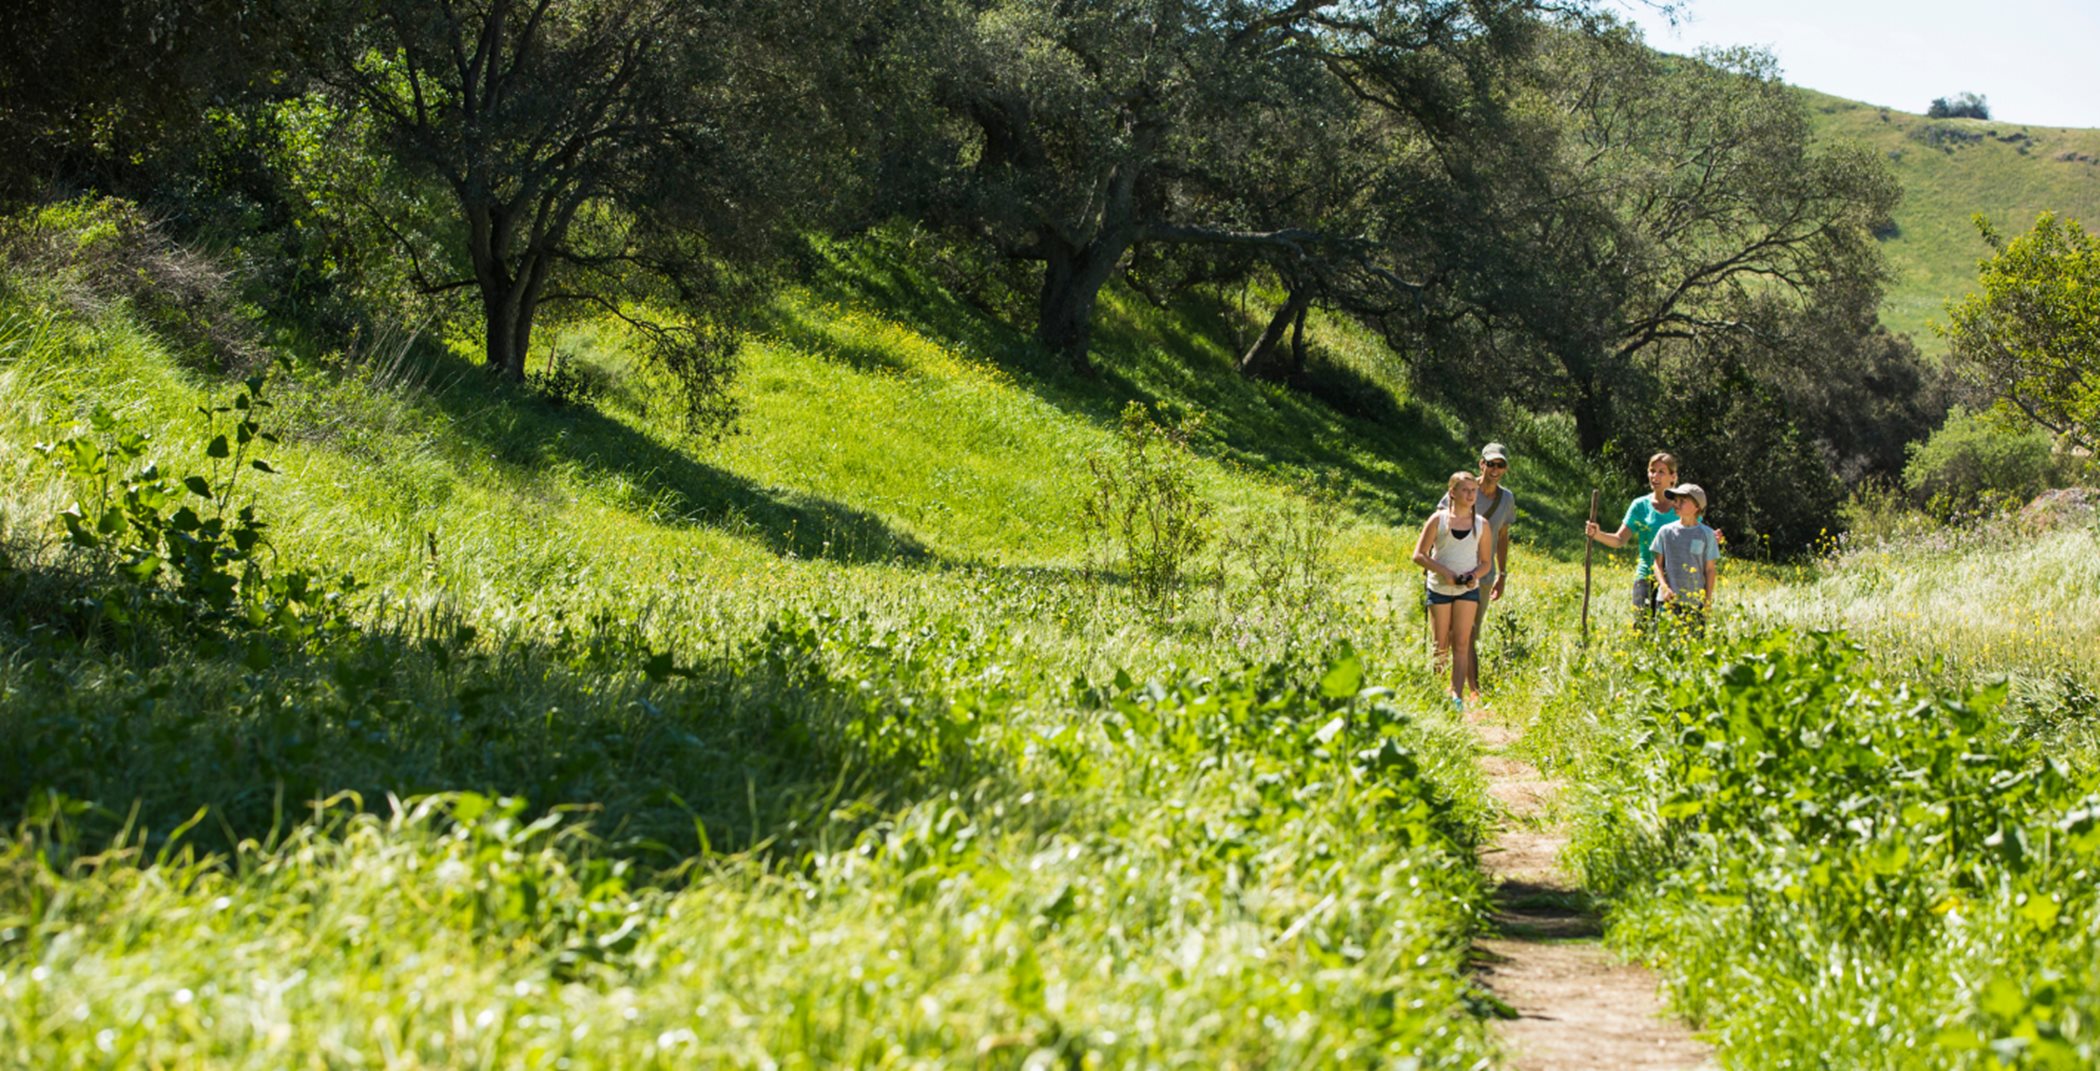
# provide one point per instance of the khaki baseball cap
(1494, 452)
(1688, 490)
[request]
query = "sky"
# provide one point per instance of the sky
(2033, 60)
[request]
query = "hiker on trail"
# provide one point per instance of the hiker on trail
(1686, 555)
(1645, 516)
(1499, 505)
(1456, 548)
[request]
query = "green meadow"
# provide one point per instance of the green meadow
(819, 744)
(840, 740)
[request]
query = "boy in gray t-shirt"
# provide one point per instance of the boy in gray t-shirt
(1686, 553)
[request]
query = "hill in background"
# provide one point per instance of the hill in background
(1952, 169)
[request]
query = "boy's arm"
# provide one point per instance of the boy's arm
(1713, 566)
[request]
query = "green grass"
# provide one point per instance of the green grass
(1950, 170)
(822, 745)
(813, 746)
(1871, 857)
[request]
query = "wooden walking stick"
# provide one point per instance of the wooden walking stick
(1588, 546)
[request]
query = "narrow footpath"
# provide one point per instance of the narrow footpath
(1577, 1006)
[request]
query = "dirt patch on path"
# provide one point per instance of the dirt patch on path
(1576, 1006)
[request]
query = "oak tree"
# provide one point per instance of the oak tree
(2030, 336)
(625, 156)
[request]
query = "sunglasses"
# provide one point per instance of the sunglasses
(1494, 464)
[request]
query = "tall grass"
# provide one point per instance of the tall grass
(811, 747)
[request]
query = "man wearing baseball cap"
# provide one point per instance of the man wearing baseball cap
(1499, 505)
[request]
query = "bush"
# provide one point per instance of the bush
(186, 553)
(1144, 510)
(1973, 464)
(1288, 550)
(1959, 106)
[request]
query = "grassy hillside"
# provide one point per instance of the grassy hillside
(1952, 169)
(820, 746)
(811, 747)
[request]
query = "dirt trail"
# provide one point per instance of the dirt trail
(1577, 1006)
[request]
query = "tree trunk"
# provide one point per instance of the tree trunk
(505, 359)
(1267, 358)
(1592, 421)
(1298, 340)
(1072, 282)
(488, 250)
(509, 300)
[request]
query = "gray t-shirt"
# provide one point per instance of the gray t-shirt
(1681, 553)
(1498, 513)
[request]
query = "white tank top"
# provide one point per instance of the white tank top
(1460, 555)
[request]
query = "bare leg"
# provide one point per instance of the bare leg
(1462, 614)
(1440, 631)
(1480, 613)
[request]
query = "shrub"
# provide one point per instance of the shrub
(1974, 464)
(186, 553)
(1879, 512)
(1959, 106)
(1288, 550)
(1144, 511)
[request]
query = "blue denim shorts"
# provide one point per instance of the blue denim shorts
(1446, 600)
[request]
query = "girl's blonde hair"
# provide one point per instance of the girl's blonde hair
(1666, 460)
(1452, 487)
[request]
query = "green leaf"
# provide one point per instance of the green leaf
(218, 447)
(1344, 676)
(260, 465)
(1680, 808)
(198, 486)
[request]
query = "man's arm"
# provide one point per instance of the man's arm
(1502, 553)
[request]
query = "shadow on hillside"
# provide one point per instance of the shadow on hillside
(760, 747)
(1379, 447)
(533, 436)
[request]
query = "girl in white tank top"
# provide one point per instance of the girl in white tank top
(1457, 550)
(1447, 553)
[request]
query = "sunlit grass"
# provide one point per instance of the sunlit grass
(816, 732)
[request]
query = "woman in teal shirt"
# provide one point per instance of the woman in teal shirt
(1644, 517)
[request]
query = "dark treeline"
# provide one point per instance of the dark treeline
(1527, 204)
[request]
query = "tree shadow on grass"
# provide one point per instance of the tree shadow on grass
(1377, 446)
(755, 749)
(533, 437)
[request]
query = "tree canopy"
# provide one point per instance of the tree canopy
(621, 155)
(1082, 131)
(1528, 204)
(2029, 337)
(1622, 203)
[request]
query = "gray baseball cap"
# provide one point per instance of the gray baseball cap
(1494, 452)
(1688, 490)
